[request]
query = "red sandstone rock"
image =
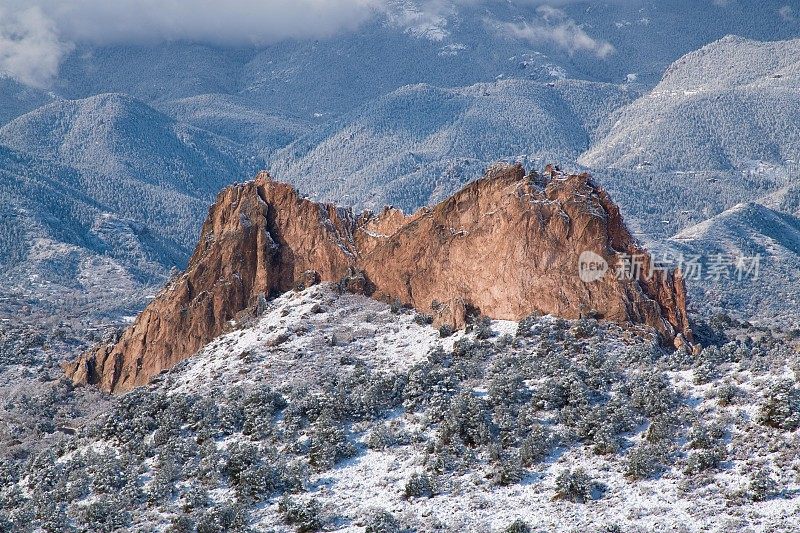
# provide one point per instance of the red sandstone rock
(504, 246)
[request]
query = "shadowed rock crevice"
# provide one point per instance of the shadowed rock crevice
(507, 244)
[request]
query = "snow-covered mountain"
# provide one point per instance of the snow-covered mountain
(420, 143)
(689, 149)
(766, 288)
(140, 163)
(105, 192)
(446, 43)
(418, 100)
(17, 99)
(720, 108)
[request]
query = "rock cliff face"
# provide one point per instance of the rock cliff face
(504, 246)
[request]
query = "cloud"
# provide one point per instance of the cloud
(427, 20)
(230, 22)
(548, 13)
(786, 13)
(30, 48)
(558, 29)
(36, 34)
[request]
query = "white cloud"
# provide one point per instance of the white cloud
(786, 13)
(36, 34)
(229, 22)
(556, 28)
(30, 49)
(428, 20)
(549, 13)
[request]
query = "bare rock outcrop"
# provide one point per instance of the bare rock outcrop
(504, 246)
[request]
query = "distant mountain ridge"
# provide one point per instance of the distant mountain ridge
(420, 143)
(447, 43)
(769, 244)
(730, 103)
(105, 179)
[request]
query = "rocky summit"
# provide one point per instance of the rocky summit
(505, 246)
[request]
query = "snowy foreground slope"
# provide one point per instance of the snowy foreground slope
(339, 413)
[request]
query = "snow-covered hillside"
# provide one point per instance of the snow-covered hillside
(237, 119)
(66, 256)
(137, 162)
(730, 103)
(659, 204)
(102, 197)
(746, 231)
(17, 99)
(420, 143)
(785, 199)
(336, 412)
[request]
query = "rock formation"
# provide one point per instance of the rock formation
(504, 246)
